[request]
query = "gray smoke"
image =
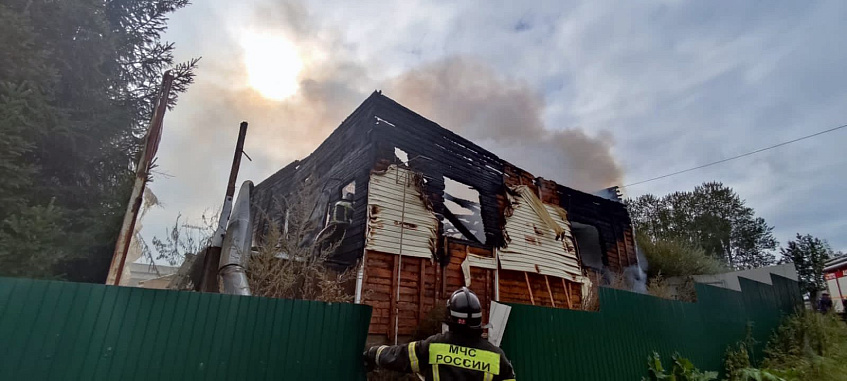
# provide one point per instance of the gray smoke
(636, 279)
(502, 115)
(505, 117)
(331, 84)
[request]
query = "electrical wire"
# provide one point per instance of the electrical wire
(737, 156)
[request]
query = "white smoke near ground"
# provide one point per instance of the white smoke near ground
(505, 116)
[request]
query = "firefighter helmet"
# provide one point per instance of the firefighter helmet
(464, 309)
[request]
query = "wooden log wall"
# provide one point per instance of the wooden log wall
(418, 283)
(513, 289)
(547, 191)
(482, 280)
(418, 297)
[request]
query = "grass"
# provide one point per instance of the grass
(809, 346)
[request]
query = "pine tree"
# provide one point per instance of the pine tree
(79, 79)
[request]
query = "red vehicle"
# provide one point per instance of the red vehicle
(835, 274)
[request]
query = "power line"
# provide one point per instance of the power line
(738, 156)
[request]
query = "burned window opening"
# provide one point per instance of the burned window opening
(454, 228)
(401, 155)
(348, 191)
(589, 245)
(462, 212)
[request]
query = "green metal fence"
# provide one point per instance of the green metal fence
(613, 344)
(75, 331)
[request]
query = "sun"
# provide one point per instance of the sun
(273, 65)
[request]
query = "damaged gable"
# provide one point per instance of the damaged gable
(414, 191)
(539, 238)
(398, 220)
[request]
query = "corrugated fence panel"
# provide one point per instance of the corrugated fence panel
(614, 343)
(75, 331)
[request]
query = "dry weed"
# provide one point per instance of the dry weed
(288, 263)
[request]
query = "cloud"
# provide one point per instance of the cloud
(505, 116)
(677, 84)
(199, 137)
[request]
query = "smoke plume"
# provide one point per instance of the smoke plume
(464, 95)
(505, 117)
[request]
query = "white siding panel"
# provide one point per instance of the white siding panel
(481, 262)
(533, 246)
(839, 299)
(398, 221)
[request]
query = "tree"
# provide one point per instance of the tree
(808, 254)
(183, 238)
(30, 240)
(713, 217)
(78, 79)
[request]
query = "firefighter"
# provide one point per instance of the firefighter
(825, 304)
(459, 354)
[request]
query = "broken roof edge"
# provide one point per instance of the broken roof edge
(387, 101)
(371, 107)
(378, 95)
(366, 108)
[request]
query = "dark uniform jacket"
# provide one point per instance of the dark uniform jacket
(448, 357)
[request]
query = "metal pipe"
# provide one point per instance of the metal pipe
(360, 278)
(400, 252)
(235, 252)
(211, 261)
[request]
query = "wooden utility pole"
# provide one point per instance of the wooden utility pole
(212, 259)
(142, 172)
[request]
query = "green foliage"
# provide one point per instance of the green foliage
(681, 370)
(713, 217)
(740, 359)
(753, 374)
(808, 255)
(25, 89)
(808, 346)
(736, 360)
(30, 240)
(78, 79)
(676, 257)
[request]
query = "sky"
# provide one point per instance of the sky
(587, 93)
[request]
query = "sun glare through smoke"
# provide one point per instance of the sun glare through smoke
(273, 65)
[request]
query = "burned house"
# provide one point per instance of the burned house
(425, 211)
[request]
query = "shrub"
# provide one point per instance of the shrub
(659, 287)
(672, 258)
(736, 359)
(290, 263)
(808, 346)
